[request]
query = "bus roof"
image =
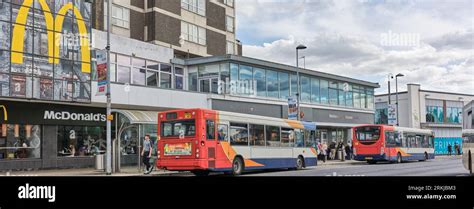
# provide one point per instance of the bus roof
(403, 129)
(467, 132)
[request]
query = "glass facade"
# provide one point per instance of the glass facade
(434, 114)
(272, 83)
(20, 141)
(43, 62)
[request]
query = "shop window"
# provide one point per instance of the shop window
(284, 86)
(272, 84)
(20, 141)
(76, 141)
(259, 76)
(305, 89)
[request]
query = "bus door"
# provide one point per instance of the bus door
(210, 130)
(223, 146)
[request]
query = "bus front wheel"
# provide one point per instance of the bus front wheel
(399, 158)
(237, 166)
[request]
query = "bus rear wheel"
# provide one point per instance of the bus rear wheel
(399, 158)
(237, 166)
(200, 172)
(299, 163)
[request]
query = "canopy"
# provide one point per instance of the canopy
(139, 117)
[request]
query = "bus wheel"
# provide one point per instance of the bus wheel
(299, 163)
(470, 162)
(237, 166)
(371, 161)
(200, 172)
(399, 158)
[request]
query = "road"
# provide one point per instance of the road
(442, 166)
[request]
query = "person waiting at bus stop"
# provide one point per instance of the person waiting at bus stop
(146, 154)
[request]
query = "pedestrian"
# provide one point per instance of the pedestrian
(450, 149)
(146, 154)
(325, 151)
(321, 152)
(457, 149)
(348, 152)
(332, 148)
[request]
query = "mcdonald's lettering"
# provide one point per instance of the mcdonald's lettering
(5, 113)
(52, 26)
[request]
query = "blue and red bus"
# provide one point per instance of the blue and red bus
(373, 143)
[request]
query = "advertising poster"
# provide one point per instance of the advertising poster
(392, 114)
(292, 109)
(178, 149)
(101, 57)
(18, 86)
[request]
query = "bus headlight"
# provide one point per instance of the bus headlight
(197, 150)
(197, 155)
(354, 151)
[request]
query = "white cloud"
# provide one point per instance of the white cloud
(343, 37)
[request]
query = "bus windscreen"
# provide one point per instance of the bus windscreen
(369, 133)
(179, 128)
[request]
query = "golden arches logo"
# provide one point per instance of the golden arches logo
(52, 26)
(5, 113)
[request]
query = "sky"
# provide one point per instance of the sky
(430, 42)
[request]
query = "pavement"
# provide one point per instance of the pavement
(442, 165)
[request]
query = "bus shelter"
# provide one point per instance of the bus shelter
(131, 126)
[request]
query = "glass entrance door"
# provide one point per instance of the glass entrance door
(209, 85)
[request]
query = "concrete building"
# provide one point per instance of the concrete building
(190, 27)
(468, 117)
(418, 108)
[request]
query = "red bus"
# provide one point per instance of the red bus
(201, 141)
(374, 143)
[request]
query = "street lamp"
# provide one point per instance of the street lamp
(396, 89)
(299, 47)
(390, 76)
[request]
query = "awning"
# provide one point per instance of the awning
(139, 117)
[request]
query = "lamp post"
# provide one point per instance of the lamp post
(396, 89)
(299, 47)
(390, 76)
(304, 61)
(109, 99)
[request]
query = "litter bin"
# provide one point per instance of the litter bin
(99, 162)
(339, 155)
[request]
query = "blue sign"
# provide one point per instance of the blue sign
(292, 109)
(441, 144)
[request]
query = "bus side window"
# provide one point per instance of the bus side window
(398, 141)
(299, 138)
(210, 130)
(222, 132)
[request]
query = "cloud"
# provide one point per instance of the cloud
(344, 38)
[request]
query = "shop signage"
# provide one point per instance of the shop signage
(51, 114)
(54, 27)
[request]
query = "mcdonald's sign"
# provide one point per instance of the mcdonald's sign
(53, 25)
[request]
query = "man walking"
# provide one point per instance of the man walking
(146, 154)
